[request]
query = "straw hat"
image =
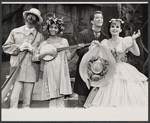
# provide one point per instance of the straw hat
(97, 66)
(34, 11)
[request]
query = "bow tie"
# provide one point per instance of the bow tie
(97, 34)
(30, 31)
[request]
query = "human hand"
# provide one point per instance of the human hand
(52, 53)
(94, 42)
(26, 40)
(23, 46)
(29, 47)
(136, 35)
(80, 46)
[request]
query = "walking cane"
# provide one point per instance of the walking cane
(8, 85)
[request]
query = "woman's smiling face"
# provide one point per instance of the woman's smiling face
(115, 28)
(53, 29)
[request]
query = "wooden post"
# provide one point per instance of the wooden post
(119, 9)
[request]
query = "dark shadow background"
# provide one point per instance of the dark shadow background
(76, 18)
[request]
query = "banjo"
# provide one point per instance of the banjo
(51, 47)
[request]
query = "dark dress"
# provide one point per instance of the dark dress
(86, 36)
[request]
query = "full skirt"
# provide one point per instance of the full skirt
(128, 87)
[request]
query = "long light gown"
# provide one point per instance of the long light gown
(128, 87)
(56, 78)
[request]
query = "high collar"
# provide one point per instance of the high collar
(96, 33)
(32, 30)
(22, 30)
(96, 30)
(92, 36)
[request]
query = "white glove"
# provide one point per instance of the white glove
(23, 46)
(29, 47)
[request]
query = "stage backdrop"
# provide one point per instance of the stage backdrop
(76, 18)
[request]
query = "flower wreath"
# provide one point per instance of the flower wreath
(97, 76)
(56, 21)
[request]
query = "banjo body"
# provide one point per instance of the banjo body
(51, 47)
(48, 48)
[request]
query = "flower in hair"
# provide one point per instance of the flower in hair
(113, 19)
(56, 21)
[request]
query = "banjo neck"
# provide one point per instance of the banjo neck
(52, 47)
(71, 47)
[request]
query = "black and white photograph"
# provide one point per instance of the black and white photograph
(74, 61)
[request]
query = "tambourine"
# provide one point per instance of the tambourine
(48, 48)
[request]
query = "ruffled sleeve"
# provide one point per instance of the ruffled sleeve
(127, 43)
(104, 42)
(65, 44)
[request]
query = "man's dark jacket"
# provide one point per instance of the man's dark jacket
(86, 36)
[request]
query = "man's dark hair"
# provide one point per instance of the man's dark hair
(96, 12)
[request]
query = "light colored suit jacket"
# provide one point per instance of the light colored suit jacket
(28, 69)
